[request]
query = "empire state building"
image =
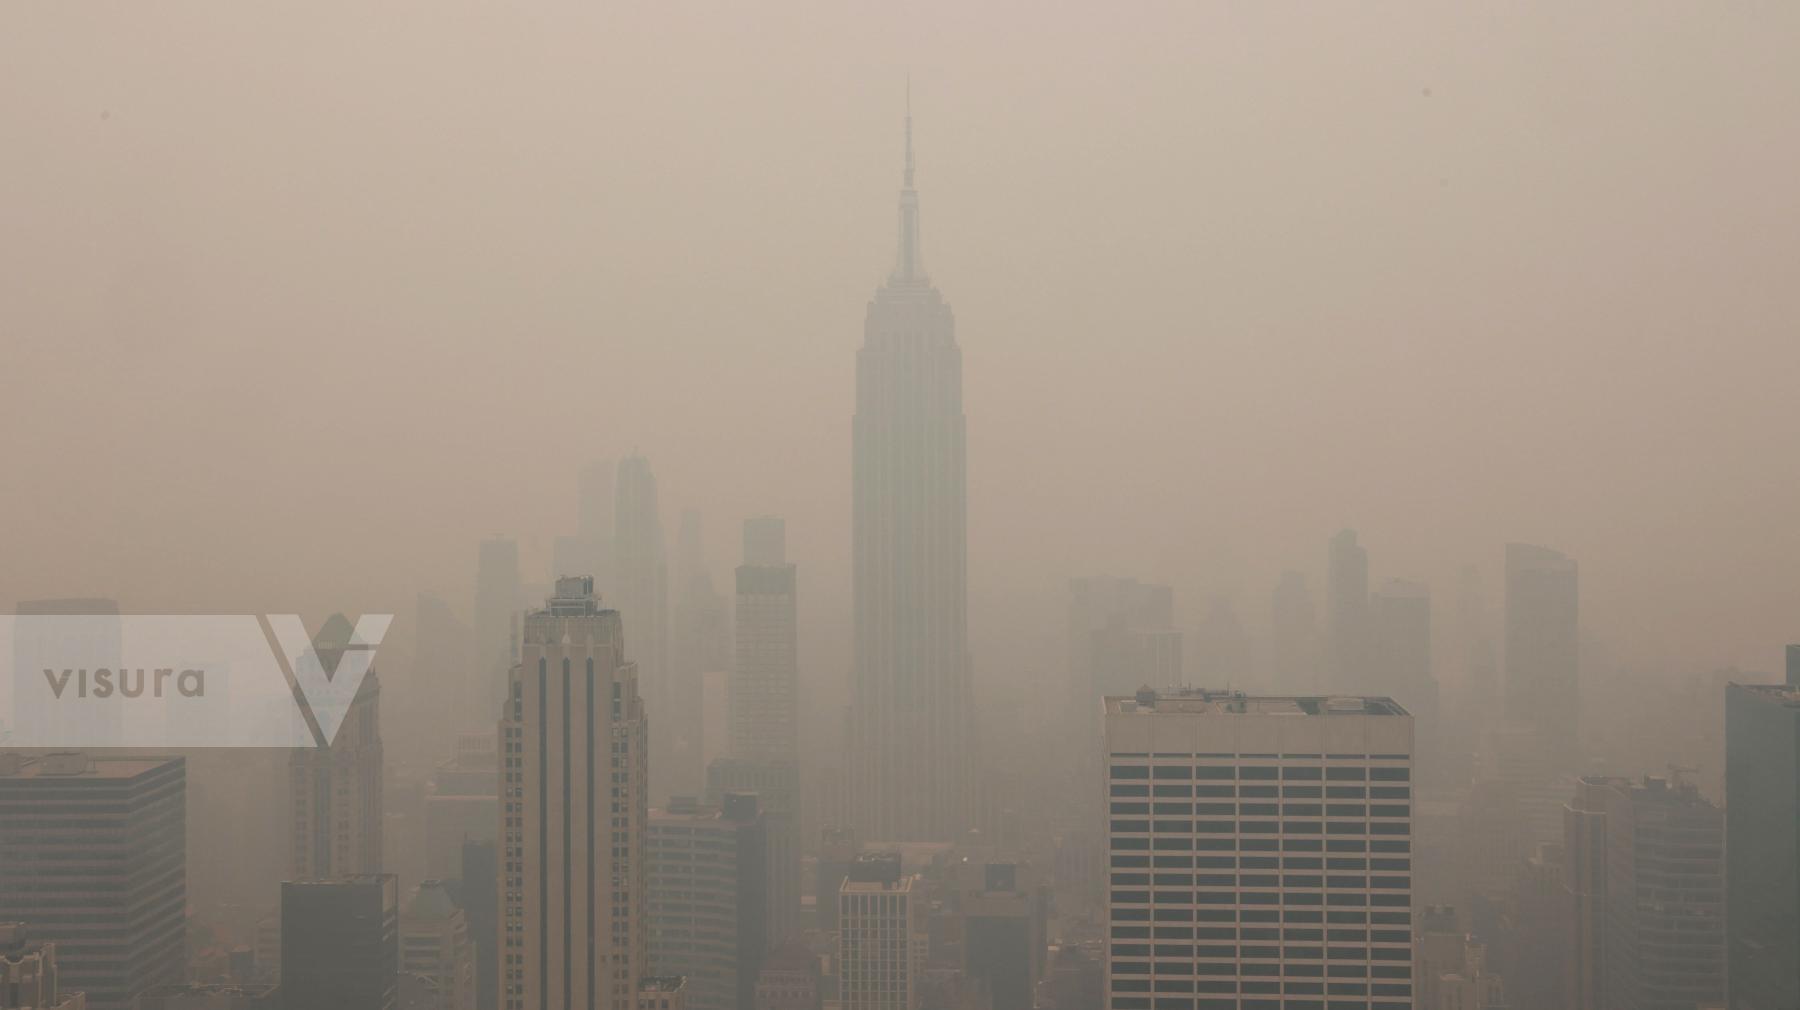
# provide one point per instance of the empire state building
(911, 719)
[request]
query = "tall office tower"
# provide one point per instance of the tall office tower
(335, 792)
(700, 646)
(496, 604)
(881, 919)
(911, 723)
(1531, 946)
(777, 787)
(642, 579)
(1452, 970)
(1294, 637)
(573, 804)
(1542, 649)
(1261, 848)
(1646, 876)
(93, 858)
(1349, 637)
(1005, 920)
(765, 693)
(440, 672)
(435, 945)
(1122, 637)
(340, 943)
(479, 893)
(29, 979)
(1400, 619)
(708, 898)
(1762, 786)
(462, 804)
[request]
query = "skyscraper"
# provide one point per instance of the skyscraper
(93, 858)
(340, 943)
(573, 807)
(880, 916)
(1260, 847)
(1122, 636)
(1400, 621)
(911, 723)
(765, 699)
(1646, 864)
(641, 578)
(1349, 638)
(1543, 649)
(1004, 926)
(700, 645)
(588, 551)
(335, 792)
(1762, 832)
(496, 602)
(707, 900)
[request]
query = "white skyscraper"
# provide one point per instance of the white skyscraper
(573, 810)
(1260, 850)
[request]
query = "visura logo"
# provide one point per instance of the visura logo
(163, 682)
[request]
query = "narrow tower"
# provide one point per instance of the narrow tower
(910, 732)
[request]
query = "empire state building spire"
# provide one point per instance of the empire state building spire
(909, 266)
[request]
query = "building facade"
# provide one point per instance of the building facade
(1260, 852)
(911, 722)
(435, 944)
(1543, 649)
(335, 805)
(1762, 786)
(340, 943)
(93, 859)
(29, 979)
(708, 898)
(573, 807)
(881, 925)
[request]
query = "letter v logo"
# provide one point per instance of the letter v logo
(327, 694)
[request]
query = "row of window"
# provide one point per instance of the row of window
(1291, 880)
(1176, 839)
(1204, 1003)
(1294, 934)
(1303, 773)
(1232, 952)
(1181, 790)
(1172, 912)
(1391, 864)
(1305, 916)
(1346, 809)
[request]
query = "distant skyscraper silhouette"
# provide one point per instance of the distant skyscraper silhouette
(336, 805)
(1762, 841)
(700, 644)
(496, 601)
(1348, 635)
(641, 584)
(911, 723)
(1400, 617)
(1294, 638)
(1543, 649)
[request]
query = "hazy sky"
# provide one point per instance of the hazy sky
(300, 301)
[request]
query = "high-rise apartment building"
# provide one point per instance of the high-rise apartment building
(29, 979)
(1542, 643)
(1645, 865)
(573, 806)
(340, 943)
(1260, 851)
(707, 901)
(911, 725)
(93, 858)
(435, 946)
(1350, 639)
(335, 792)
(1762, 831)
(497, 591)
(881, 922)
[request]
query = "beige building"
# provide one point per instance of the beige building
(462, 804)
(434, 944)
(573, 811)
(335, 806)
(1260, 850)
(28, 977)
(881, 925)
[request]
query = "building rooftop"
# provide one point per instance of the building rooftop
(904, 884)
(662, 983)
(1205, 701)
(75, 764)
(1774, 694)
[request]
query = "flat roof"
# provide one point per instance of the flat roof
(1204, 701)
(59, 766)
